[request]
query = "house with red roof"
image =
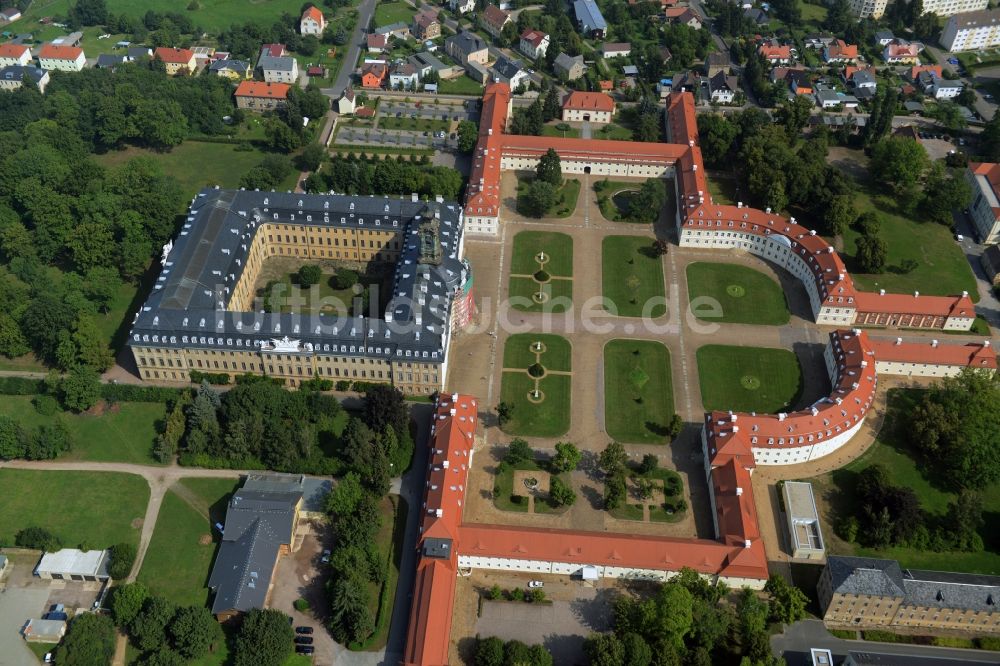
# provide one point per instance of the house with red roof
(841, 52)
(273, 50)
(176, 60)
(14, 54)
(592, 107)
(261, 96)
(534, 44)
(776, 54)
(376, 43)
(373, 75)
(493, 19)
(312, 22)
(683, 16)
(899, 52)
(62, 58)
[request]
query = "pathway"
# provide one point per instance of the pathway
(365, 12)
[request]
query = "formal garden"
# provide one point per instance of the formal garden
(560, 202)
(640, 491)
(535, 385)
(638, 392)
(528, 482)
(748, 379)
(328, 287)
(541, 275)
(639, 202)
(733, 294)
(632, 276)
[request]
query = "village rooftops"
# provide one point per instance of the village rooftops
(589, 101)
(262, 90)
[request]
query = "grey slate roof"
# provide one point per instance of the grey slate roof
(187, 306)
(398, 26)
(943, 589)
(506, 68)
(466, 42)
(566, 62)
(276, 64)
(136, 52)
(862, 78)
(18, 72)
(107, 61)
(221, 65)
(865, 575)
(426, 60)
(589, 16)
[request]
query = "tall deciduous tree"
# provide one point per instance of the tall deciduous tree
(549, 168)
(149, 627)
(787, 603)
(899, 162)
(567, 457)
(89, 640)
(193, 631)
(264, 639)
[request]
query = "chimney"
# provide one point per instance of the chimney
(746, 544)
(916, 293)
(965, 294)
(899, 341)
(881, 292)
(739, 491)
(934, 343)
(444, 464)
(986, 343)
(781, 416)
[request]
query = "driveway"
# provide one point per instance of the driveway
(298, 576)
(17, 605)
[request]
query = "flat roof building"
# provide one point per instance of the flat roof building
(806, 538)
(44, 631)
(73, 564)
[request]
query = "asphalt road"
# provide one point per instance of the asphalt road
(365, 12)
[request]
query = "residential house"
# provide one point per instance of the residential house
(606, 85)
(756, 15)
(692, 82)
(466, 47)
(376, 43)
(399, 30)
(798, 79)
(884, 37)
(722, 88)
(284, 69)
(426, 63)
(900, 52)
(817, 40)
(404, 76)
(426, 25)
(203, 55)
(494, 20)
(913, 106)
(936, 86)
(971, 31)
(10, 14)
(312, 22)
(462, 6)
(717, 62)
(863, 83)
(72, 39)
(261, 96)
(373, 75)
(592, 107)
(569, 68)
(841, 52)
(61, 58)
(273, 50)
(509, 72)
(683, 16)
(589, 19)
(828, 98)
(990, 261)
(347, 103)
(44, 631)
(237, 70)
(138, 53)
(616, 49)
(317, 72)
(984, 205)
(177, 61)
(534, 44)
(775, 54)
(477, 71)
(12, 77)
(950, 7)
(109, 61)
(14, 54)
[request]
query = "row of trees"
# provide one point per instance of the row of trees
(494, 652)
(387, 176)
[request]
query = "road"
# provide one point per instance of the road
(795, 642)
(983, 108)
(365, 12)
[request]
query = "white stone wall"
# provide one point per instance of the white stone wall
(579, 115)
(482, 225)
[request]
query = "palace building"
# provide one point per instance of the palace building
(204, 313)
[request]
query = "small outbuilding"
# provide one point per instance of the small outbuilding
(44, 631)
(803, 521)
(73, 564)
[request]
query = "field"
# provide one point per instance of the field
(612, 132)
(461, 85)
(745, 295)
(198, 164)
(568, 133)
(97, 509)
(748, 379)
(638, 391)
(632, 277)
(892, 451)
(183, 546)
(523, 293)
(392, 12)
(124, 433)
(566, 197)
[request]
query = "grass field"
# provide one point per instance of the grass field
(557, 247)
(125, 433)
(638, 391)
(671, 510)
(98, 509)
(748, 379)
(568, 133)
(559, 295)
(218, 164)
(389, 542)
(462, 85)
(566, 197)
(503, 489)
(549, 418)
(517, 352)
(183, 546)
(746, 296)
(722, 187)
(605, 189)
(393, 12)
(632, 277)
(612, 132)
(892, 450)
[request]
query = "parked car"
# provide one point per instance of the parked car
(303, 630)
(305, 649)
(536, 583)
(326, 557)
(303, 640)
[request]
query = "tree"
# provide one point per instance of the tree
(89, 640)
(567, 457)
(839, 214)
(661, 247)
(964, 518)
(518, 451)
(37, 538)
(872, 253)
(88, 12)
(787, 603)
(122, 558)
(551, 106)
(265, 639)
(716, 135)
(989, 139)
(489, 652)
(12, 341)
(163, 657)
(311, 157)
(309, 275)
(468, 135)
(149, 627)
(350, 619)
(345, 278)
(944, 192)
(194, 630)
(899, 162)
(604, 650)
(793, 114)
(838, 17)
(560, 492)
(947, 114)
(549, 168)
(345, 496)
(538, 199)
(613, 458)
(12, 439)
(614, 490)
(647, 203)
(80, 389)
(505, 411)
(385, 407)
(127, 601)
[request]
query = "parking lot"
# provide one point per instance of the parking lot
(394, 138)
(938, 145)
(452, 112)
(297, 577)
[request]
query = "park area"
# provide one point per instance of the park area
(638, 391)
(541, 272)
(96, 509)
(748, 379)
(286, 287)
(745, 296)
(561, 206)
(536, 382)
(632, 277)
(652, 495)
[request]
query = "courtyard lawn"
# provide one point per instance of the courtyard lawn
(942, 268)
(566, 196)
(414, 124)
(671, 510)
(722, 187)
(612, 132)
(606, 189)
(98, 509)
(393, 12)
(638, 391)
(183, 546)
(503, 486)
(557, 247)
(462, 85)
(523, 294)
(632, 277)
(893, 452)
(748, 379)
(746, 296)
(125, 432)
(518, 353)
(553, 130)
(548, 418)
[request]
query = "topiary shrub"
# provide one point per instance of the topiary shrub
(536, 370)
(542, 276)
(345, 279)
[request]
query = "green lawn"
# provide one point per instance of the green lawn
(632, 277)
(393, 12)
(503, 489)
(557, 247)
(97, 509)
(723, 189)
(414, 124)
(811, 12)
(748, 379)
(518, 353)
(322, 297)
(462, 85)
(549, 418)
(613, 132)
(892, 450)
(746, 296)
(124, 433)
(558, 293)
(568, 133)
(178, 563)
(606, 189)
(566, 197)
(638, 391)
(942, 268)
(217, 164)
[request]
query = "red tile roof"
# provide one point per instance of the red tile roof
(535, 37)
(273, 50)
(972, 355)
(60, 52)
(314, 13)
(13, 50)
(905, 304)
(915, 70)
(495, 17)
(841, 49)
(774, 52)
(261, 90)
(376, 41)
(588, 101)
(174, 55)
(902, 50)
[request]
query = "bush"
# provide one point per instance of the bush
(991, 643)
(132, 393)
(309, 275)
(343, 385)
(301, 605)
(217, 378)
(37, 538)
(649, 463)
(345, 279)
(495, 592)
(536, 370)
(45, 405)
(122, 559)
(21, 386)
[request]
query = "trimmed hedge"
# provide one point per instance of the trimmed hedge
(21, 386)
(133, 393)
(217, 378)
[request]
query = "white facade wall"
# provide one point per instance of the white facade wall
(949, 7)
(282, 76)
(723, 96)
(580, 115)
(792, 455)
(981, 208)
(868, 8)
(60, 65)
(310, 26)
(947, 91)
(953, 38)
(482, 225)
(22, 60)
(917, 369)
(572, 165)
